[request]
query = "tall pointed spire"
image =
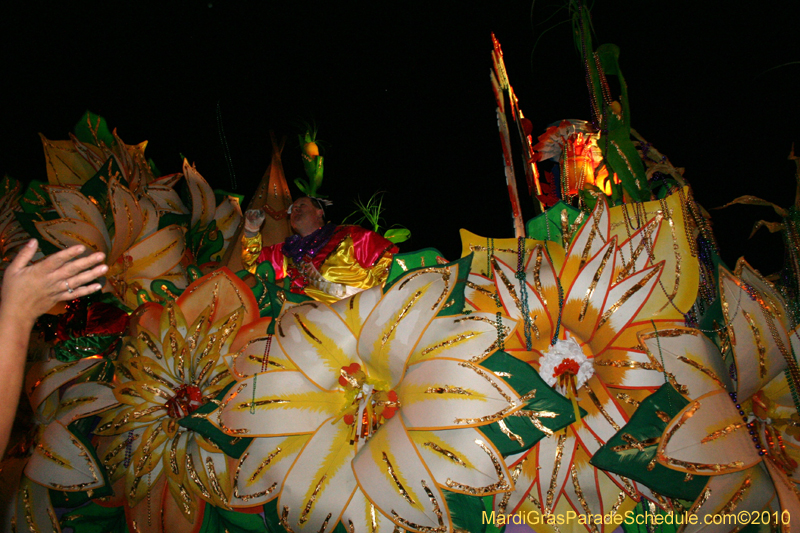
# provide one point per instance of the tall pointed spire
(274, 197)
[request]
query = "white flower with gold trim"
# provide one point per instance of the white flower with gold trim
(52, 457)
(584, 305)
(370, 407)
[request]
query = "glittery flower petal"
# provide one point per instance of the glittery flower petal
(391, 473)
(524, 471)
(691, 357)
(285, 403)
(355, 310)
(622, 305)
(511, 294)
(749, 489)
(589, 240)
(127, 215)
(668, 243)
(760, 343)
(263, 467)
(320, 483)
(70, 203)
(318, 342)
(585, 297)
(253, 351)
(46, 377)
(66, 232)
(463, 460)
(156, 254)
(362, 515)
(85, 399)
(399, 320)
(203, 202)
(431, 400)
(551, 455)
(708, 437)
(60, 461)
(220, 291)
(467, 338)
(33, 509)
(786, 490)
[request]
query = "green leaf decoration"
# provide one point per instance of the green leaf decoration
(96, 187)
(205, 243)
(92, 129)
(273, 519)
(401, 265)
(153, 167)
(232, 446)
(35, 198)
(269, 295)
(28, 223)
(165, 290)
(194, 273)
(178, 219)
(94, 518)
(619, 152)
(488, 508)
(554, 224)
(216, 520)
(408, 261)
(397, 235)
(466, 511)
(622, 454)
(639, 514)
(524, 379)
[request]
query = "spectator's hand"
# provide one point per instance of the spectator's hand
(30, 290)
(253, 218)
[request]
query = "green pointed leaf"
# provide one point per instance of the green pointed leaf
(178, 219)
(553, 410)
(622, 454)
(216, 520)
(403, 264)
(273, 519)
(205, 243)
(466, 511)
(232, 446)
(94, 518)
(269, 295)
(92, 129)
(553, 229)
(638, 521)
(397, 235)
(35, 198)
(165, 289)
(408, 261)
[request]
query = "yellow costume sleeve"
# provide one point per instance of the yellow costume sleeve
(342, 267)
(251, 249)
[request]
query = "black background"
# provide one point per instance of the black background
(401, 96)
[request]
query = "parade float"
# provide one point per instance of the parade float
(602, 365)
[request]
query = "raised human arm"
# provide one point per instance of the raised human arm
(30, 290)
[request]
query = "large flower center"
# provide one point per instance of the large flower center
(369, 406)
(565, 367)
(187, 400)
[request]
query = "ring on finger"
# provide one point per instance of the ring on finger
(69, 289)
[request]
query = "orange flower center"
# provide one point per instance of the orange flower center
(370, 407)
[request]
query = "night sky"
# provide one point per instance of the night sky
(400, 93)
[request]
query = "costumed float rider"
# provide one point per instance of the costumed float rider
(324, 261)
